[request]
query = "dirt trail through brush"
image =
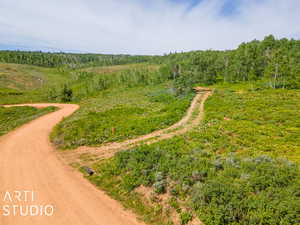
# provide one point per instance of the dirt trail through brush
(86, 155)
(28, 162)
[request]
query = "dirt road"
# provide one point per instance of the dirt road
(28, 163)
(192, 118)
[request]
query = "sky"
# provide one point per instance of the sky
(145, 27)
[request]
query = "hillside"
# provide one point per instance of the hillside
(240, 165)
(224, 171)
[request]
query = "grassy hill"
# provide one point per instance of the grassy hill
(121, 113)
(25, 77)
(130, 99)
(239, 166)
(232, 169)
(26, 83)
(117, 68)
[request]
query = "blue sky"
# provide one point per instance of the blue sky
(228, 8)
(191, 3)
(143, 26)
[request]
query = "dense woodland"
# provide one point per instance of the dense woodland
(67, 59)
(277, 62)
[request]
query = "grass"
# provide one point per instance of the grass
(117, 102)
(254, 122)
(13, 117)
(120, 114)
(91, 81)
(25, 77)
(118, 68)
(240, 166)
(26, 84)
(151, 214)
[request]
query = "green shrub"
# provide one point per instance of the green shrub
(116, 115)
(185, 217)
(228, 171)
(67, 94)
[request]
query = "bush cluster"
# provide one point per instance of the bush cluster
(227, 171)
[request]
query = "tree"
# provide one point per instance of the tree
(67, 94)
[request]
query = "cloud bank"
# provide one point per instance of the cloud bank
(143, 26)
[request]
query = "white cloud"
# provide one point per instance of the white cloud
(142, 26)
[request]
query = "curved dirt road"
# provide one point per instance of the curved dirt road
(28, 163)
(108, 150)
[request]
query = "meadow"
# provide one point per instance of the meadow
(116, 102)
(240, 166)
(13, 117)
(26, 84)
(121, 113)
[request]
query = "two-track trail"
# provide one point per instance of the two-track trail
(192, 118)
(29, 162)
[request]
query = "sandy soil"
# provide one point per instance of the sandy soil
(28, 163)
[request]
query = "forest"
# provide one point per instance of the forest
(69, 60)
(275, 62)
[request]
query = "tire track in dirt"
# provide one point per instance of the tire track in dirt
(109, 149)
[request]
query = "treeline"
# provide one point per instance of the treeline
(68, 59)
(277, 62)
(85, 84)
